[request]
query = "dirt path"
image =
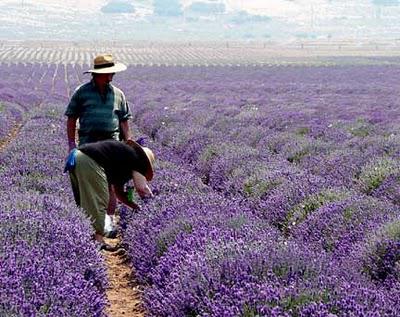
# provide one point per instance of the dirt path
(10, 136)
(123, 294)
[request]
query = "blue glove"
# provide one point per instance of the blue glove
(70, 162)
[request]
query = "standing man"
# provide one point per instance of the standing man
(101, 109)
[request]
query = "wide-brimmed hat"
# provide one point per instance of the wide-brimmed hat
(147, 157)
(105, 64)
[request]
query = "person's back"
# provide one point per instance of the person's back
(117, 158)
(93, 167)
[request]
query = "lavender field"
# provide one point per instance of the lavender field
(277, 192)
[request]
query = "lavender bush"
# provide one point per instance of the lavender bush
(301, 156)
(44, 270)
(338, 226)
(382, 253)
(50, 265)
(10, 115)
(277, 191)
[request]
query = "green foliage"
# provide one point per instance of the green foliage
(373, 174)
(53, 113)
(250, 133)
(295, 302)
(302, 210)
(296, 156)
(360, 128)
(255, 186)
(391, 144)
(291, 303)
(283, 270)
(209, 153)
(329, 244)
(249, 311)
(390, 230)
(168, 236)
(231, 250)
(248, 112)
(215, 254)
(2, 107)
(237, 222)
(300, 146)
(276, 141)
(34, 182)
(45, 308)
(348, 214)
(381, 254)
(303, 131)
(22, 230)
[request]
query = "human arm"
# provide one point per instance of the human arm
(71, 130)
(124, 115)
(125, 131)
(72, 112)
(123, 197)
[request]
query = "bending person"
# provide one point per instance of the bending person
(96, 166)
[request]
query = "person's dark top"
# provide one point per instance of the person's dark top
(118, 160)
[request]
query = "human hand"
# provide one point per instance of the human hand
(145, 192)
(141, 186)
(135, 207)
(71, 161)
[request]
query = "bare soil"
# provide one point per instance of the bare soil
(124, 294)
(10, 136)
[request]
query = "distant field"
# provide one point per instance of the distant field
(204, 53)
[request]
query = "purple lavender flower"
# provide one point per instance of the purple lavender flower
(277, 193)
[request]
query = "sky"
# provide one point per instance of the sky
(273, 20)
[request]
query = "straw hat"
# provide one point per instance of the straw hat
(104, 64)
(146, 155)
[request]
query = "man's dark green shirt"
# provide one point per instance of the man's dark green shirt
(98, 114)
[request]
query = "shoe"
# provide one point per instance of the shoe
(111, 234)
(109, 247)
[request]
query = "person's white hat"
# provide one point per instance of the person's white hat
(146, 157)
(104, 64)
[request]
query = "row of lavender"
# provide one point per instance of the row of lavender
(272, 238)
(301, 212)
(339, 124)
(203, 254)
(49, 264)
(10, 115)
(32, 83)
(25, 86)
